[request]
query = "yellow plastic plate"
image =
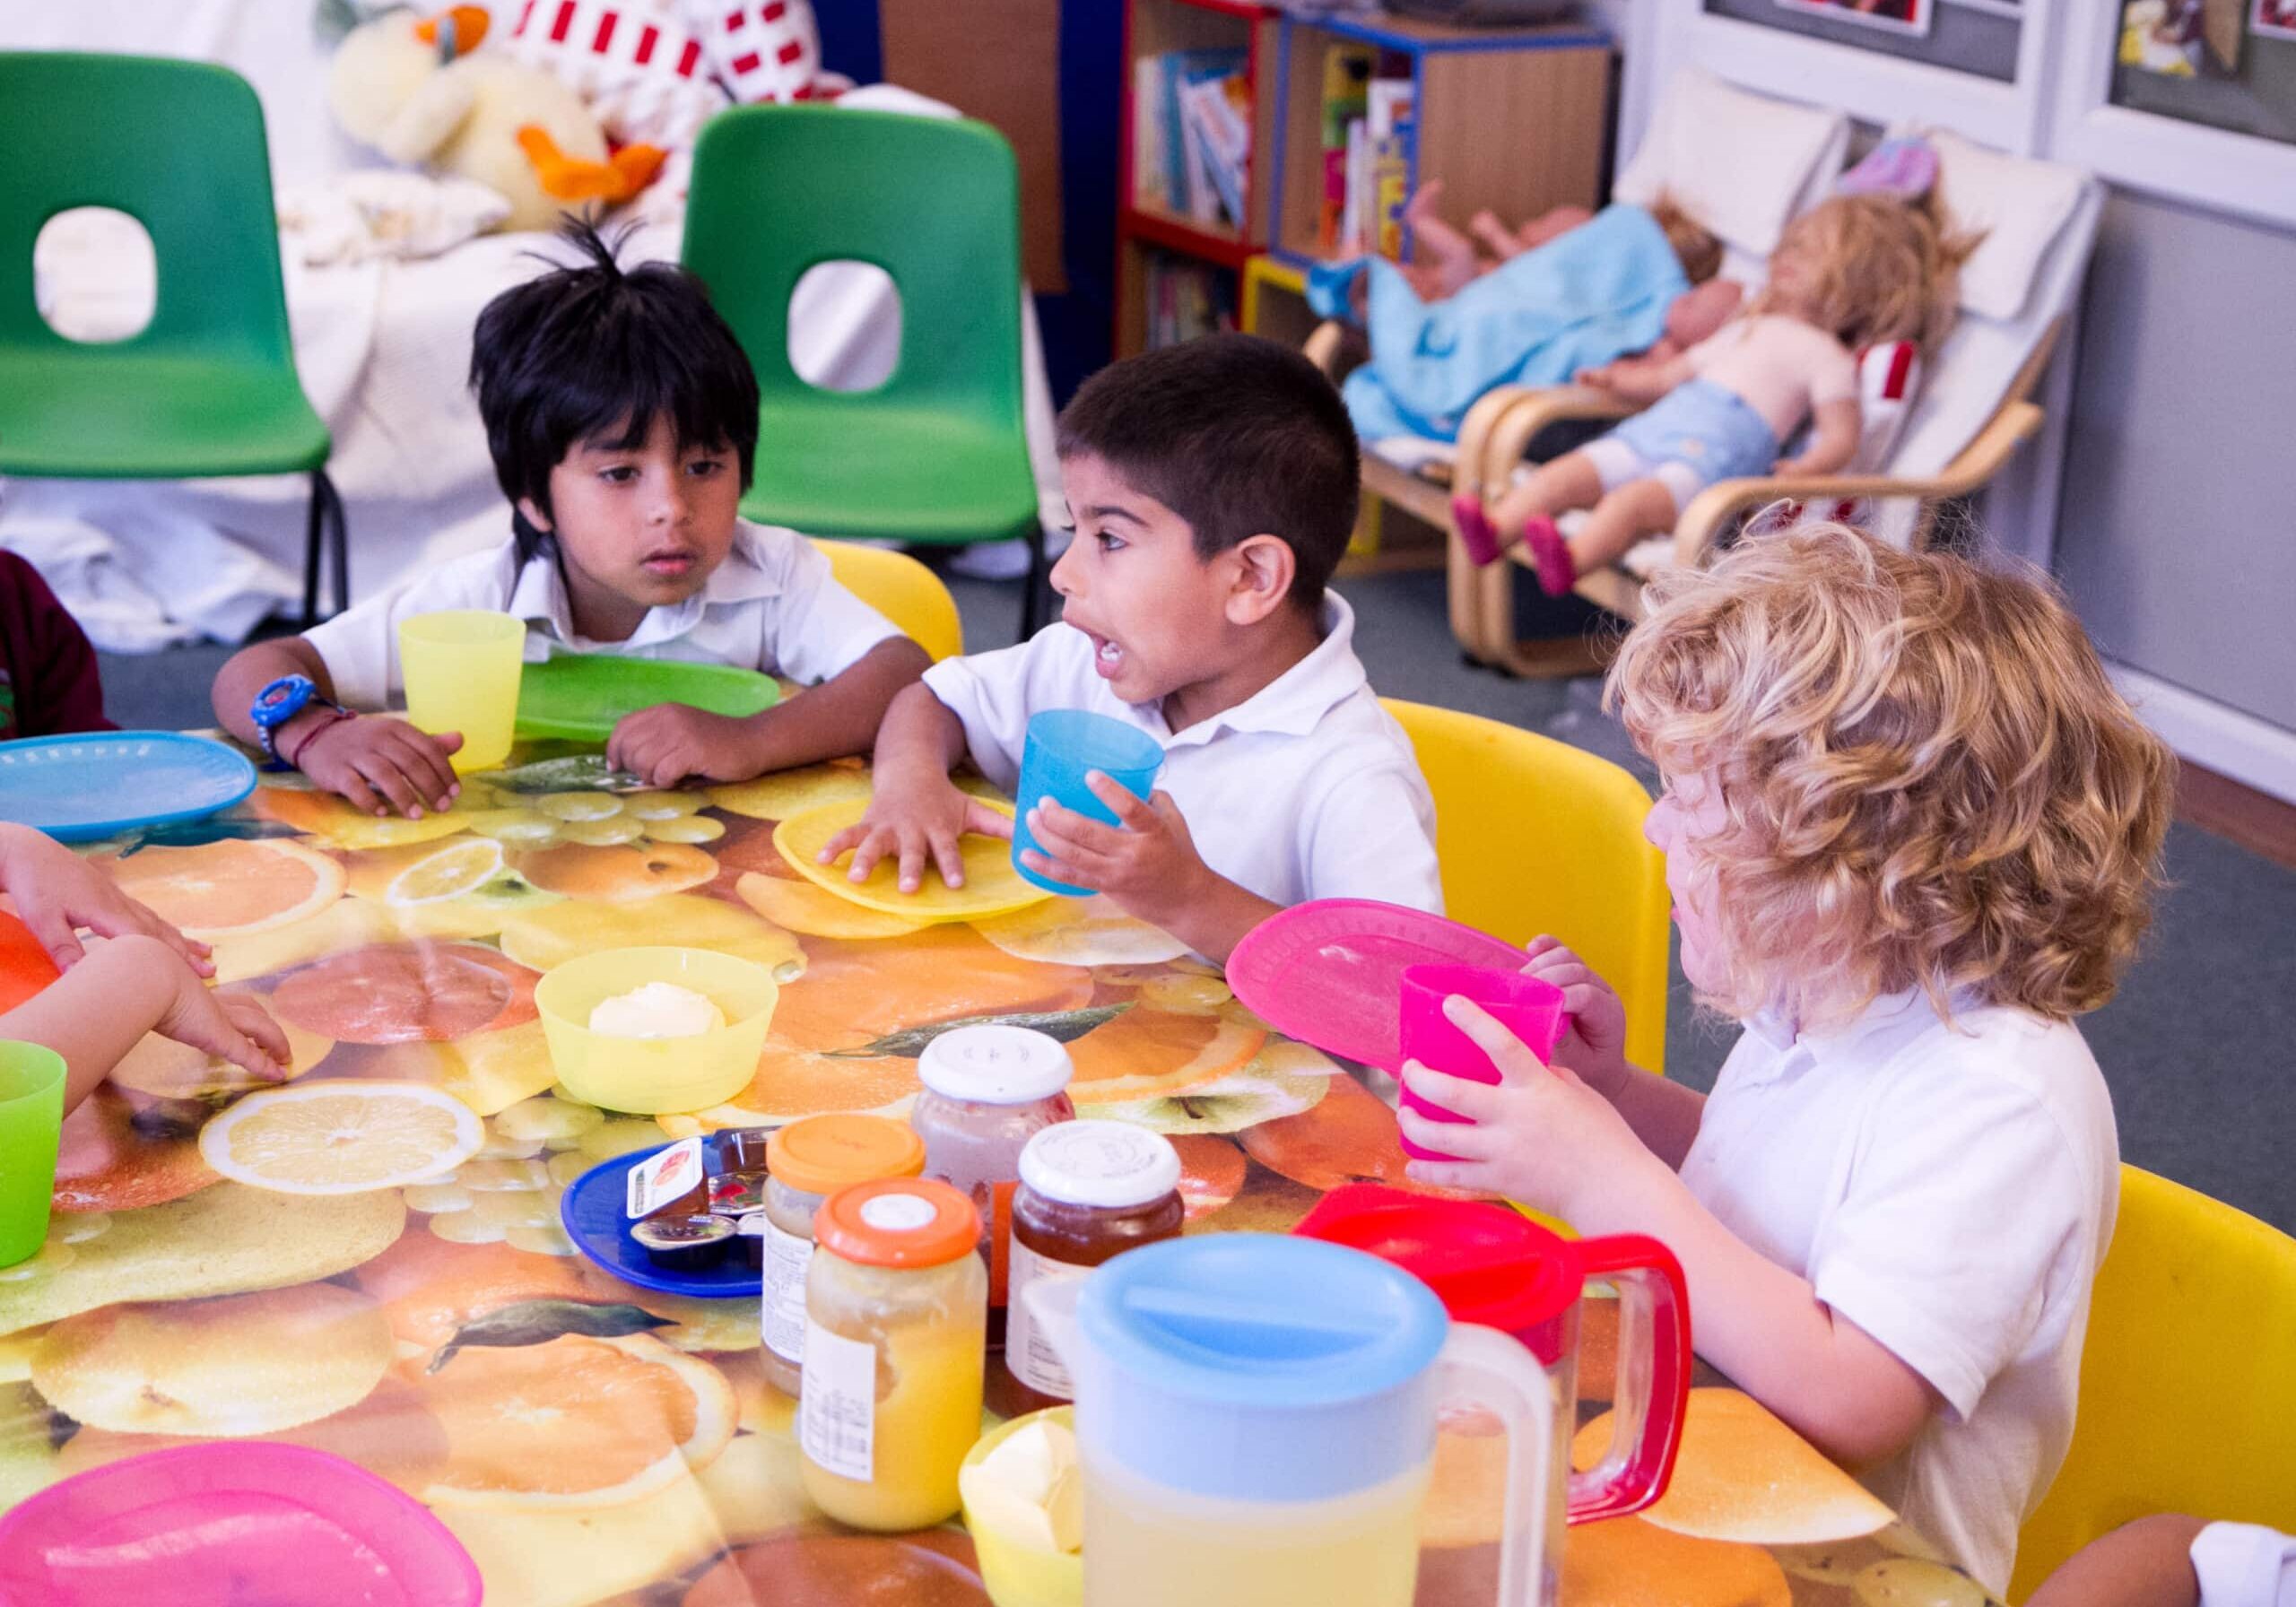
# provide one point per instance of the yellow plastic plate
(991, 886)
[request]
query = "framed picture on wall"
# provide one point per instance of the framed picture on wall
(2273, 20)
(1897, 16)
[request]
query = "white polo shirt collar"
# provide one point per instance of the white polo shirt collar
(539, 598)
(1292, 703)
(1793, 1052)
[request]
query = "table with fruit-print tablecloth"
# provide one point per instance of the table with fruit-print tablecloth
(326, 1284)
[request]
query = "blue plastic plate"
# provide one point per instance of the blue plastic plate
(99, 784)
(592, 1211)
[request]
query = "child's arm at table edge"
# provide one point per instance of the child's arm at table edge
(97, 1011)
(256, 667)
(380, 764)
(1764, 1326)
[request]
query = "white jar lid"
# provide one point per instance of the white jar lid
(992, 1064)
(1099, 1163)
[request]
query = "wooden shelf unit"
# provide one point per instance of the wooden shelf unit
(1152, 28)
(1511, 119)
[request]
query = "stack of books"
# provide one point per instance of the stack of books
(1192, 134)
(1186, 299)
(1368, 133)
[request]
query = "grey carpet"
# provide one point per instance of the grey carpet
(2195, 1047)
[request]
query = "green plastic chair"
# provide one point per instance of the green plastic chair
(209, 386)
(936, 454)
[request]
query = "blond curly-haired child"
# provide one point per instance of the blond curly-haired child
(1911, 831)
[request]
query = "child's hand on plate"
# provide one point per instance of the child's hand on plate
(380, 764)
(1540, 1135)
(911, 820)
(1594, 1045)
(57, 893)
(1147, 861)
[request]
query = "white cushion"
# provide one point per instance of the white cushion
(2018, 205)
(1741, 164)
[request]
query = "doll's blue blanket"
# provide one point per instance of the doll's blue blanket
(1596, 293)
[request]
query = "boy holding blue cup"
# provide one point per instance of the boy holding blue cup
(1237, 761)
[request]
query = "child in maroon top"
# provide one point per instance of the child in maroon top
(47, 670)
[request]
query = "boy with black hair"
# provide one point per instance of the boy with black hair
(622, 416)
(1212, 487)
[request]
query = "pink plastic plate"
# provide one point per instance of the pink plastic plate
(231, 1523)
(1330, 973)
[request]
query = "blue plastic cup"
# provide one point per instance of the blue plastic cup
(1063, 745)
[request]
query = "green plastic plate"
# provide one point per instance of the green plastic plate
(578, 697)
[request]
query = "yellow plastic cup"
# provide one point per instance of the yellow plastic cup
(461, 669)
(1014, 1572)
(649, 1076)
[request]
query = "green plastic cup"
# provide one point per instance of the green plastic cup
(32, 1121)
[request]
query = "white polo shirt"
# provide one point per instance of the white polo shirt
(1949, 1189)
(772, 605)
(1306, 789)
(2245, 1565)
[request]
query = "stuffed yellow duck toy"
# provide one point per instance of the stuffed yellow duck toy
(415, 89)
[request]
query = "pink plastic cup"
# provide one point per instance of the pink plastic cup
(1526, 1007)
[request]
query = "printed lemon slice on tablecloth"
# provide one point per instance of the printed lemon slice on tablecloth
(1080, 932)
(342, 1138)
(991, 886)
(229, 888)
(425, 873)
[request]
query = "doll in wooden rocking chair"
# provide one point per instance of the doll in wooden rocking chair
(1852, 272)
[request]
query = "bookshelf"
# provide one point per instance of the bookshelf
(1514, 119)
(1157, 241)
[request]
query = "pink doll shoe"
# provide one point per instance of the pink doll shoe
(1904, 167)
(1476, 533)
(1551, 557)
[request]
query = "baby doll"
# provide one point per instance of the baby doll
(1854, 271)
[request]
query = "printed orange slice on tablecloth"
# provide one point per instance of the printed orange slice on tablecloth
(1630, 1563)
(230, 888)
(544, 938)
(574, 1423)
(816, 912)
(855, 993)
(430, 1287)
(1211, 1172)
(1147, 1053)
(794, 1083)
(1350, 1136)
(401, 992)
(627, 874)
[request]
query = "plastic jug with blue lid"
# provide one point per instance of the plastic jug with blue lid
(1256, 1418)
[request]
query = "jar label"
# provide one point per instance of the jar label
(787, 1258)
(1029, 1353)
(836, 1409)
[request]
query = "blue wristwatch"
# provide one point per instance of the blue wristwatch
(281, 702)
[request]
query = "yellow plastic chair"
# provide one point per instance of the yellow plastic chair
(2187, 1379)
(1536, 836)
(904, 591)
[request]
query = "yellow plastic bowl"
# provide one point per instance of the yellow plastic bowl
(1015, 1573)
(648, 1076)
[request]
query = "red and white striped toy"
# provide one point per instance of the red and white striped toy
(653, 71)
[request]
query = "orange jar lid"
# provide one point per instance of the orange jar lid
(823, 1154)
(898, 1222)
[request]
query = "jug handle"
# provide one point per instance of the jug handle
(1487, 1369)
(1646, 1423)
